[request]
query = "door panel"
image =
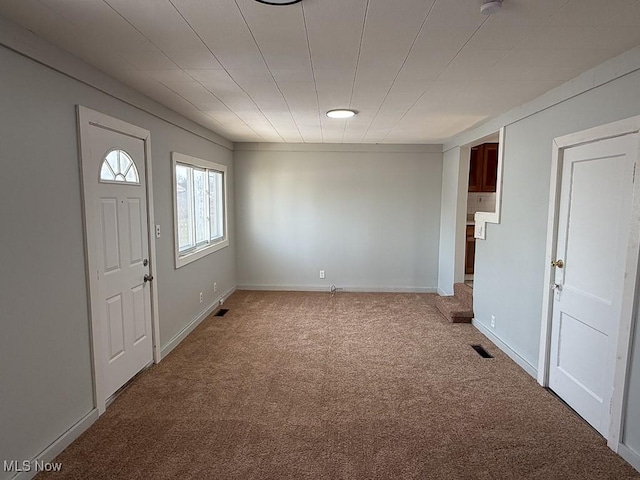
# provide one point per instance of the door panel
(139, 313)
(115, 320)
(109, 217)
(584, 366)
(136, 237)
(123, 241)
(593, 228)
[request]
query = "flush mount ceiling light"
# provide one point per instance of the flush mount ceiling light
(489, 7)
(341, 113)
(279, 2)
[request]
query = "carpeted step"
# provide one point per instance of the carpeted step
(454, 310)
(464, 294)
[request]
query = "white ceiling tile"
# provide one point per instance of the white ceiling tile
(471, 63)
(255, 72)
(280, 34)
(434, 49)
(221, 26)
(100, 21)
(628, 16)
(553, 36)
(159, 22)
(615, 39)
(150, 60)
(587, 13)
(456, 13)
(496, 34)
(194, 58)
(527, 12)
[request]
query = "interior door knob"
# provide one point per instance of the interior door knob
(148, 278)
(557, 263)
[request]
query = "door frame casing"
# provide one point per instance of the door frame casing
(623, 347)
(90, 118)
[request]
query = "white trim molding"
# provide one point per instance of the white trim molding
(62, 442)
(617, 67)
(340, 288)
(629, 455)
(198, 252)
(616, 129)
(502, 345)
(26, 43)
(190, 327)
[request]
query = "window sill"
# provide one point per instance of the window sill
(182, 260)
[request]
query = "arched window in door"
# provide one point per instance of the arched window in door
(118, 167)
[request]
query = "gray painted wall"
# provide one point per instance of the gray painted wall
(370, 218)
(508, 279)
(452, 220)
(448, 219)
(44, 347)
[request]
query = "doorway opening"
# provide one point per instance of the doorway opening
(482, 193)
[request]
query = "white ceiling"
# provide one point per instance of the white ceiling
(417, 71)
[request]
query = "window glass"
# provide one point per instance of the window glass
(183, 203)
(119, 167)
(199, 208)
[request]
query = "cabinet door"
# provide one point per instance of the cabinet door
(490, 167)
(475, 169)
(470, 255)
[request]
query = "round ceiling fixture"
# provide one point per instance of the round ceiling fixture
(279, 2)
(341, 113)
(489, 7)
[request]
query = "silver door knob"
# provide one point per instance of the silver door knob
(148, 278)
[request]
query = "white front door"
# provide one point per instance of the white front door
(115, 171)
(593, 230)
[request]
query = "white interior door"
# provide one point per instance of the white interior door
(593, 231)
(116, 174)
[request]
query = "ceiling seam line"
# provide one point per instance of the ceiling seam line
(194, 79)
(438, 76)
(415, 39)
(190, 102)
(124, 61)
(269, 70)
(535, 112)
(225, 69)
(126, 102)
(462, 47)
(313, 71)
(355, 75)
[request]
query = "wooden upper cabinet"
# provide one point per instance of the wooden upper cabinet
(483, 168)
(475, 172)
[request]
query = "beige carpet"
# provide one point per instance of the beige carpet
(355, 386)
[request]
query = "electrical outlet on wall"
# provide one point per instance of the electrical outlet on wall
(201, 297)
(215, 287)
(322, 275)
(493, 321)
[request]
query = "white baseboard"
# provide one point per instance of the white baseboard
(53, 450)
(525, 365)
(442, 293)
(629, 455)
(175, 341)
(327, 288)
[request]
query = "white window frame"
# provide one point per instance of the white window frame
(182, 259)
